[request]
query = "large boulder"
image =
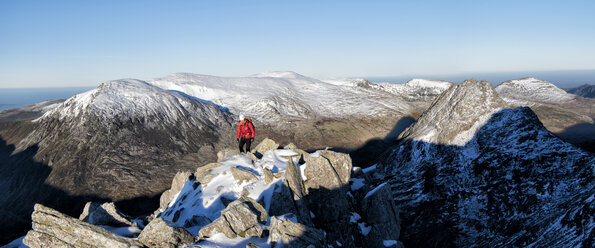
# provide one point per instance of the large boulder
(54, 229)
(226, 153)
(341, 162)
(242, 217)
(159, 233)
(327, 197)
(292, 234)
(264, 146)
(382, 215)
(176, 186)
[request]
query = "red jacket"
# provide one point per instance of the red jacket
(245, 130)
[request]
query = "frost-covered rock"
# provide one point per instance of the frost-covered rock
(160, 233)
(292, 234)
(382, 215)
(54, 229)
(104, 214)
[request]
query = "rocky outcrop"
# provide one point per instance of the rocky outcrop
(54, 229)
(292, 234)
(159, 233)
(242, 217)
(104, 214)
(264, 146)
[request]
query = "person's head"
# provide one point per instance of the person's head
(241, 117)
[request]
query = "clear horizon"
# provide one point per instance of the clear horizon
(84, 43)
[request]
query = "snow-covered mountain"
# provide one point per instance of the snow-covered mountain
(472, 173)
(532, 90)
(121, 130)
(418, 89)
(276, 96)
(569, 116)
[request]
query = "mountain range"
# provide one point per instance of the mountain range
(125, 140)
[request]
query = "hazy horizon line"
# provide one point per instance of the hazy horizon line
(560, 78)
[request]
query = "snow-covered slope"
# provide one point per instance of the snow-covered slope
(417, 89)
(131, 98)
(532, 90)
(271, 97)
(509, 183)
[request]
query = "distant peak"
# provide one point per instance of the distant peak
(279, 74)
(418, 82)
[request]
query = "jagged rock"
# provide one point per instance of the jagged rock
(293, 234)
(382, 215)
(242, 175)
(327, 191)
(203, 174)
(104, 214)
(268, 175)
(251, 155)
(220, 225)
(176, 186)
(158, 233)
(241, 217)
(264, 146)
(293, 180)
(54, 229)
(251, 245)
(226, 153)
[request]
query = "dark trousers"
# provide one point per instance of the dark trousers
(246, 141)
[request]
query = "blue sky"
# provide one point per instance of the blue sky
(81, 43)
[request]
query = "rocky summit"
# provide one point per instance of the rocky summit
(310, 200)
(493, 178)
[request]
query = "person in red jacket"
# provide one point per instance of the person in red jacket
(245, 134)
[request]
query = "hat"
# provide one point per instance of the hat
(241, 117)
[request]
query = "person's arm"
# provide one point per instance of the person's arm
(252, 130)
